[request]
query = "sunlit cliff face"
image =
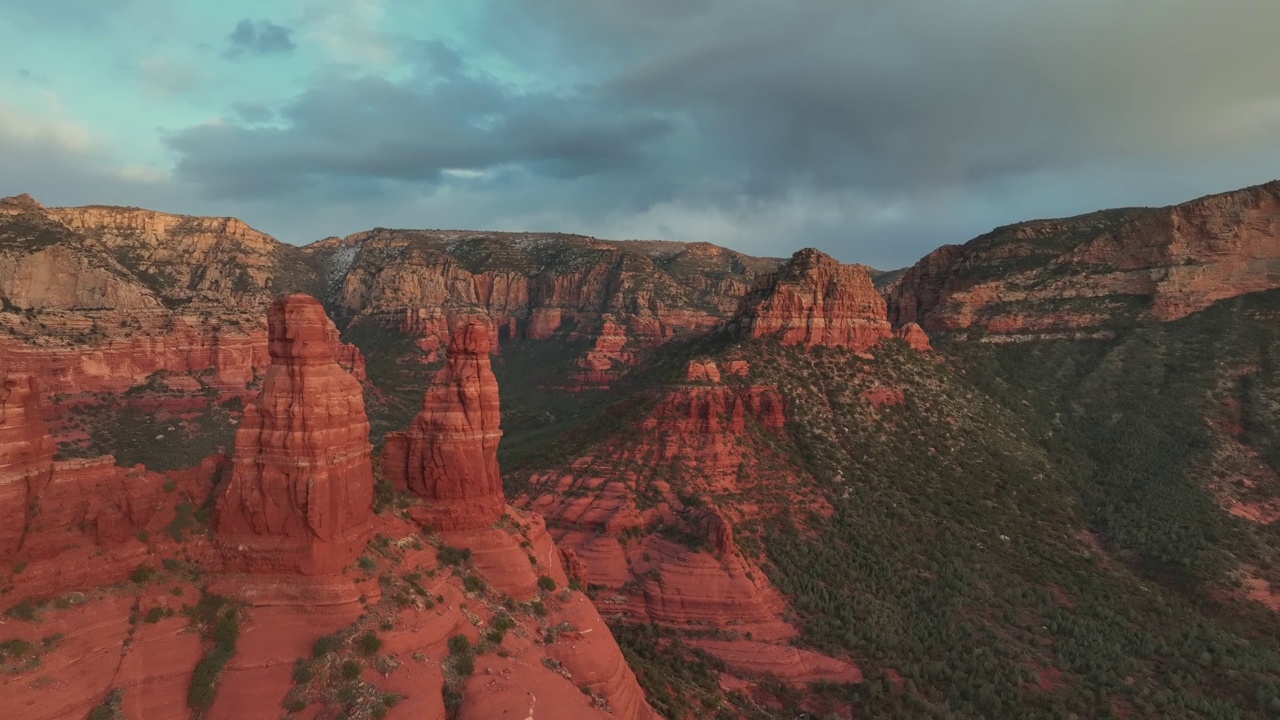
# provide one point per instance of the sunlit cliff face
(297, 331)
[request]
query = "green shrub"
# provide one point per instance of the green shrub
(110, 707)
(462, 655)
(547, 583)
(369, 643)
(454, 556)
(25, 610)
(303, 671)
(156, 614)
(141, 574)
(325, 645)
(221, 622)
(473, 584)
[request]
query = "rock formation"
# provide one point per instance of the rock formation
(539, 287)
(915, 336)
(646, 513)
(75, 523)
(603, 363)
(26, 456)
(99, 299)
(1056, 278)
(301, 486)
(449, 455)
(814, 300)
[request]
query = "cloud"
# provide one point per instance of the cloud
(875, 129)
(350, 31)
(61, 162)
(260, 37)
(253, 113)
(357, 134)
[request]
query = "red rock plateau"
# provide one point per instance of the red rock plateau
(127, 606)
(1068, 278)
(813, 300)
(449, 456)
(299, 497)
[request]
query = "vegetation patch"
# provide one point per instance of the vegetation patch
(218, 619)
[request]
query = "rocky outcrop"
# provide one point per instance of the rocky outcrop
(77, 523)
(1049, 277)
(299, 496)
(606, 359)
(98, 299)
(649, 511)
(449, 455)
(184, 257)
(915, 336)
(814, 300)
(685, 567)
(26, 457)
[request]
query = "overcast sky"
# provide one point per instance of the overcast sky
(872, 129)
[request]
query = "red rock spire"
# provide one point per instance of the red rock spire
(450, 453)
(299, 498)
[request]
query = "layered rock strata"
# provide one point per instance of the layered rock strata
(26, 457)
(449, 455)
(299, 496)
(814, 300)
(1073, 276)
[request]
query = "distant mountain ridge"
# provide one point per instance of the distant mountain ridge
(1073, 276)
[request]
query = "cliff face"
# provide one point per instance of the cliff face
(288, 522)
(300, 494)
(449, 456)
(98, 298)
(26, 456)
(538, 287)
(650, 510)
(814, 300)
(75, 522)
(1075, 275)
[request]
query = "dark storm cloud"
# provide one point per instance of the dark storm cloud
(875, 129)
(259, 38)
(839, 93)
(364, 132)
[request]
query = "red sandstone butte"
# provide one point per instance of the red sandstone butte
(815, 300)
(449, 455)
(299, 497)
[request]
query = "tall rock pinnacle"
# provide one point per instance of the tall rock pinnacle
(299, 498)
(449, 455)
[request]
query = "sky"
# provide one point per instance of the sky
(874, 130)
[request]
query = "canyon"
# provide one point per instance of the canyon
(546, 475)
(291, 516)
